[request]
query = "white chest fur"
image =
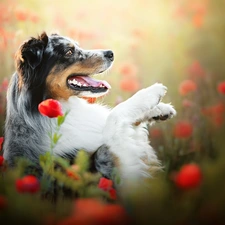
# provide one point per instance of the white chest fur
(83, 126)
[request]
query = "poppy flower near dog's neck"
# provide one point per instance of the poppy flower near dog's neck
(50, 108)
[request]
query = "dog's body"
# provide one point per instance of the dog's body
(56, 67)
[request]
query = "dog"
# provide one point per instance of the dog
(56, 67)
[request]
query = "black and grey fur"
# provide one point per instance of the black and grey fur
(25, 128)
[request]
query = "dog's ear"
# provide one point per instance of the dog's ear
(31, 52)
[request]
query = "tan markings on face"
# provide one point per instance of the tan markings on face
(18, 60)
(56, 81)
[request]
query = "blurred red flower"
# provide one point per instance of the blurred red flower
(218, 108)
(199, 10)
(128, 69)
(187, 86)
(1, 142)
(183, 129)
(21, 15)
(94, 212)
(3, 202)
(215, 113)
(155, 133)
(221, 87)
(187, 103)
(34, 18)
(1, 160)
(196, 70)
(112, 193)
(189, 176)
(107, 185)
(6, 38)
(72, 172)
(129, 84)
(28, 184)
(4, 84)
(51, 108)
(198, 20)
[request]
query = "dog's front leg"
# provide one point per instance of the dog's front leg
(136, 108)
(128, 142)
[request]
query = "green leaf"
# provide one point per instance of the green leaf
(82, 160)
(116, 177)
(56, 137)
(61, 119)
(62, 162)
(45, 158)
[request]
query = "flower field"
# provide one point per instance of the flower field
(178, 43)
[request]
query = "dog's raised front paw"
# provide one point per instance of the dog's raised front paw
(163, 111)
(157, 89)
(154, 93)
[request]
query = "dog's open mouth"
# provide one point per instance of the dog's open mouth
(88, 86)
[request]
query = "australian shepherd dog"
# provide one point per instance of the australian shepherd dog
(57, 67)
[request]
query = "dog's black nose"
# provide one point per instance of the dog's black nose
(109, 54)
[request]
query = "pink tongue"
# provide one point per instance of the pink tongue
(92, 82)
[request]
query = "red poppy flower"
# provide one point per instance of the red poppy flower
(72, 172)
(3, 202)
(5, 84)
(94, 212)
(28, 184)
(183, 129)
(128, 69)
(129, 84)
(21, 15)
(196, 70)
(107, 185)
(187, 103)
(112, 193)
(155, 133)
(189, 176)
(187, 86)
(34, 18)
(1, 160)
(216, 109)
(51, 108)
(215, 113)
(1, 142)
(221, 87)
(198, 20)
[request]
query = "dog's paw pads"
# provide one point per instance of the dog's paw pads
(165, 111)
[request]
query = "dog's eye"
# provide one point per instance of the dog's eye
(69, 53)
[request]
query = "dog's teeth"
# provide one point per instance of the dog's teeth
(79, 84)
(85, 85)
(73, 82)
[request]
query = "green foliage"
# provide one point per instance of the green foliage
(61, 119)
(82, 160)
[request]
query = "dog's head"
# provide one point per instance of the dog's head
(58, 68)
